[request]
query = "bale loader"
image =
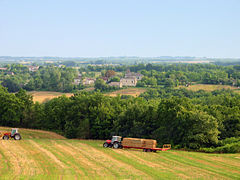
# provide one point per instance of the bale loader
(14, 134)
(147, 145)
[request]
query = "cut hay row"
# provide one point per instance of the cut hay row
(59, 158)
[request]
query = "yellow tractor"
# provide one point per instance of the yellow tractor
(14, 134)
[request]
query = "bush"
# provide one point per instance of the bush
(228, 148)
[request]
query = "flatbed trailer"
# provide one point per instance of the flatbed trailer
(167, 147)
(116, 143)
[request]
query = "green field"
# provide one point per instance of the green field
(46, 155)
(209, 87)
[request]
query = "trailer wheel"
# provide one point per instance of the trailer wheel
(5, 137)
(144, 150)
(149, 150)
(155, 151)
(116, 145)
(105, 144)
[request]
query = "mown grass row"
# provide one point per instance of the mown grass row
(82, 159)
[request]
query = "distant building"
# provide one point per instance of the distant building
(33, 68)
(88, 81)
(3, 69)
(77, 81)
(129, 74)
(10, 73)
(128, 81)
(105, 79)
(116, 84)
(79, 76)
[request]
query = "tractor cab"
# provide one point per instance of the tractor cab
(115, 142)
(14, 131)
(116, 139)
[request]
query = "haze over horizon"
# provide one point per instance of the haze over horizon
(125, 28)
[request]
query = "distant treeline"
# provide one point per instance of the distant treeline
(196, 120)
(61, 79)
(179, 74)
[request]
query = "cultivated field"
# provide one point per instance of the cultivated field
(209, 87)
(43, 96)
(46, 155)
(129, 91)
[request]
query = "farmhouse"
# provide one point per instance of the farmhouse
(105, 79)
(138, 76)
(10, 73)
(128, 81)
(33, 68)
(3, 69)
(88, 81)
(129, 74)
(77, 81)
(116, 84)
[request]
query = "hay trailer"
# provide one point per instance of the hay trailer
(147, 145)
(14, 134)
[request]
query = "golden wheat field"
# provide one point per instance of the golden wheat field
(128, 91)
(43, 96)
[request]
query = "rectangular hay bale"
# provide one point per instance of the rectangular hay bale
(136, 142)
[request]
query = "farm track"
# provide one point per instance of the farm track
(41, 158)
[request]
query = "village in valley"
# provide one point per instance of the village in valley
(130, 79)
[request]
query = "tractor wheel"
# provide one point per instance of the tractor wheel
(17, 137)
(105, 144)
(116, 145)
(5, 137)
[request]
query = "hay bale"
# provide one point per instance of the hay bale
(143, 143)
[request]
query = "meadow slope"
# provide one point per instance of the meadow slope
(46, 155)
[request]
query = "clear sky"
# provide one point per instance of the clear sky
(92, 28)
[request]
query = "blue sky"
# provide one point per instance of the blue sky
(92, 28)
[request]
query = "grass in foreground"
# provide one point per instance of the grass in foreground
(56, 158)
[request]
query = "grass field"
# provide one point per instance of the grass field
(129, 91)
(209, 87)
(46, 155)
(42, 96)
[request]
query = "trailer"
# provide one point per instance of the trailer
(147, 145)
(164, 148)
